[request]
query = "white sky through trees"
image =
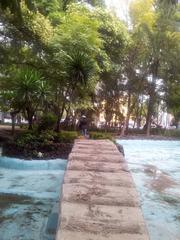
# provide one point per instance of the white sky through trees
(120, 7)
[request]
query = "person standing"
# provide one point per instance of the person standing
(83, 125)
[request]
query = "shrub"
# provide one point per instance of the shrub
(157, 131)
(172, 133)
(47, 122)
(100, 135)
(66, 136)
(35, 139)
(46, 137)
(26, 138)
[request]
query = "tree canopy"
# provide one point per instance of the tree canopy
(72, 56)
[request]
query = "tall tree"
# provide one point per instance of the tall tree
(154, 22)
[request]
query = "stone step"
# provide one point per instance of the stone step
(97, 157)
(104, 142)
(92, 147)
(122, 179)
(97, 166)
(96, 151)
(70, 235)
(100, 194)
(95, 219)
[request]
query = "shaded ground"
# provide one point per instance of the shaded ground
(5, 132)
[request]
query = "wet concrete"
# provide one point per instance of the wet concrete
(29, 199)
(155, 169)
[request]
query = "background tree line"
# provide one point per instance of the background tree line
(68, 57)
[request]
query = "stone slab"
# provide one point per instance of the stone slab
(96, 150)
(97, 146)
(70, 235)
(96, 158)
(100, 194)
(97, 166)
(93, 142)
(100, 218)
(122, 179)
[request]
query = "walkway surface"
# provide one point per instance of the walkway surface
(99, 199)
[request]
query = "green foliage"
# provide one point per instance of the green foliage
(79, 68)
(115, 42)
(26, 138)
(66, 136)
(100, 135)
(37, 24)
(173, 100)
(48, 137)
(166, 132)
(114, 34)
(78, 19)
(28, 85)
(72, 56)
(142, 11)
(47, 122)
(46, 7)
(172, 133)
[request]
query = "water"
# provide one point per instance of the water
(29, 198)
(155, 166)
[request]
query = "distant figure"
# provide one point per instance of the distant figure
(83, 125)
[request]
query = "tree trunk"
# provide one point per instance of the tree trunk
(30, 121)
(139, 116)
(58, 123)
(134, 124)
(19, 120)
(123, 129)
(150, 108)
(13, 118)
(2, 118)
(30, 115)
(152, 95)
(128, 114)
(59, 116)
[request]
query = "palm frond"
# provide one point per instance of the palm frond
(79, 67)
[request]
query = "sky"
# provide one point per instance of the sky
(120, 7)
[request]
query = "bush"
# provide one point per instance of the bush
(136, 131)
(47, 122)
(157, 131)
(100, 135)
(26, 138)
(66, 136)
(172, 133)
(36, 139)
(46, 137)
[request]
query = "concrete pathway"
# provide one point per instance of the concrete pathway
(99, 199)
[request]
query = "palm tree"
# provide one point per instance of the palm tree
(31, 92)
(78, 71)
